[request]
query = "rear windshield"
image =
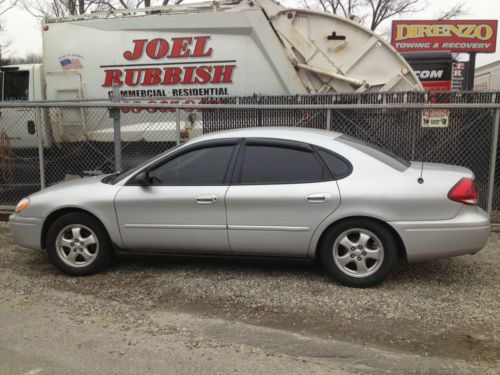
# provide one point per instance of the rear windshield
(385, 156)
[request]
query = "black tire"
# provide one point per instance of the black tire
(102, 255)
(381, 270)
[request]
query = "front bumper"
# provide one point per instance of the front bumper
(27, 231)
(466, 233)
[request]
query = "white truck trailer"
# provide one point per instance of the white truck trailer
(217, 48)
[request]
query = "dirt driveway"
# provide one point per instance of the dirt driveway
(170, 316)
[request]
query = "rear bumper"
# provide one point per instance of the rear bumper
(27, 231)
(466, 233)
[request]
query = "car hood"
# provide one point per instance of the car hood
(73, 183)
(87, 193)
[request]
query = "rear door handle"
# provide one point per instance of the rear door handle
(318, 198)
(207, 199)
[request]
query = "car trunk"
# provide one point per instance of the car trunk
(435, 182)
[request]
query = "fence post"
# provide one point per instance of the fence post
(178, 125)
(494, 148)
(328, 119)
(416, 125)
(114, 113)
(39, 134)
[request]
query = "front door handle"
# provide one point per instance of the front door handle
(318, 198)
(207, 199)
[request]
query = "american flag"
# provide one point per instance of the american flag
(68, 64)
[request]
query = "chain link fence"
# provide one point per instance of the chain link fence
(44, 143)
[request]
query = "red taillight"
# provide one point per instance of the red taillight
(464, 191)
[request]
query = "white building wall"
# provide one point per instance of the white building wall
(487, 77)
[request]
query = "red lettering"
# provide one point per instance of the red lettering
(172, 76)
(164, 109)
(152, 77)
(180, 47)
(137, 51)
(136, 109)
(200, 47)
(112, 77)
(223, 74)
(190, 101)
(173, 102)
(203, 74)
(152, 109)
(157, 48)
(188, 75)
(133, 77)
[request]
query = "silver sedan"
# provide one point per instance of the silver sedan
(266, 192)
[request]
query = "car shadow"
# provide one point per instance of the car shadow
(441, 271)
(209, 264)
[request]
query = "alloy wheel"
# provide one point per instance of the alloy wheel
(358, 252)
(77, 245)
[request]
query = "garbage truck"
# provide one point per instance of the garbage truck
(209, 49)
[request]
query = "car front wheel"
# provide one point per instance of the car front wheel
(78, 244)
(359, 253)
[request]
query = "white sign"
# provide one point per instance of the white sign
(435, 118)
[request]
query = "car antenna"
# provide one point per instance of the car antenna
(420, 179)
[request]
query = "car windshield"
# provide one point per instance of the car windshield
(387, 157)
(117, 177)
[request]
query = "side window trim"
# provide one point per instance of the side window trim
(201, 145)
(276, 142)
(280, 143)
(232, 162)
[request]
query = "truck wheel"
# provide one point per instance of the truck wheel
(78, 244)
(359, 253)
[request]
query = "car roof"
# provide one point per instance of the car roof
(288, 133)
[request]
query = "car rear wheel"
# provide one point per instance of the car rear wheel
(359, 253)
(78, 244)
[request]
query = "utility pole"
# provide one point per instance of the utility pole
(472, 69)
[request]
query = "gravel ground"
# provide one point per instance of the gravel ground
(446, 308)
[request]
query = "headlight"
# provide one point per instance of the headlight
(22, 205)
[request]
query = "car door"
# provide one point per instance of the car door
(281, 192)
(182, 209)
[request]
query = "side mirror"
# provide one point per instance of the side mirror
(142, 178)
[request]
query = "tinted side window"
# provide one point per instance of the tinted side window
(279, 165)
(338, 167)
(205, 166)
(16, 85)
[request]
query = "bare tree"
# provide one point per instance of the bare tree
(454, 12)
(5, 6)
(382, 10)
(343, 8)
(29, 58)
(373, 13)
(60, 8)
(134, 4)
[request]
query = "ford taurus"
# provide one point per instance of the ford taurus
(266, 192)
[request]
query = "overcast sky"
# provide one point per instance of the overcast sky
(23, 30)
